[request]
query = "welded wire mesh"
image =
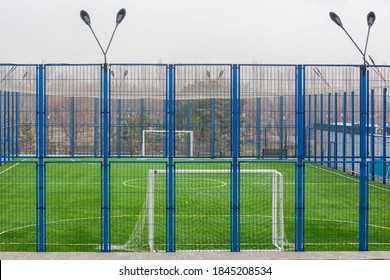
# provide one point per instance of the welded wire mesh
(73, 206)
(73, 102)
(267, 104)
(18, 206)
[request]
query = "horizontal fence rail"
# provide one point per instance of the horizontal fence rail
(194, 157)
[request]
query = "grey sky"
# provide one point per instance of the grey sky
(192, 31)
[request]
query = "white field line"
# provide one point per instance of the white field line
(16, 164)
(347, 177)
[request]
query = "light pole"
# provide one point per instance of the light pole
(105, 112)
(119, 18)
(370, 21)
(363, 185)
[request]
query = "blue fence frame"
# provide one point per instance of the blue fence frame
(306, 113)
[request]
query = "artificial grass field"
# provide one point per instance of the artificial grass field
(202, 212)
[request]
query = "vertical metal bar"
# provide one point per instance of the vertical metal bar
(363, 186)
(171, 194)
(235, 169)
(322, 126)
(9, 126)
(353, 129)
(300, 190)
(41, 188)
(212, 130)
(281, 120)
(141, 119)
(190, 146)
(315, 127)
(258, 128)
(329, 129)
(106, 247)
(344, 129)
(336, 130)
(384, 134)
(72, 126)
(96, 126)
(17, 112)
(5, 136)
(12, 125)
(372, 138)
(308, 151)
(1, 134)
(118, 129)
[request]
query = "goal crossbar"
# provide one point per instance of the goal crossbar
(277, 200)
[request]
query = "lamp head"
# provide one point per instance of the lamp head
(120, 16)
(336, 19)
(85, 17)
(371, 18)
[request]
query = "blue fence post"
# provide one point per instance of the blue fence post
(258, 128)
(118, 129)
(300, 191)
(1, 134)
(384, 134)
(17, 124)
(212, 130)
(329, 121)
(372, 138)
(344, 129)
(105, 246)
(363, 186)
(171, 191)
(353, 129)
(72, 126)
(41, 186)
(336, 129)
(315, 127)
(141, 119)
(308, 133)
(235, 172)
(95, 126)
(189, 127)
(5, 135)
(322, 126)
(281, 126)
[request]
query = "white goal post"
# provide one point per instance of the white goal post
(159, 144)
(278, 234)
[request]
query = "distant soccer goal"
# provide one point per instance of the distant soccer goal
(271, 233)
(153, 143)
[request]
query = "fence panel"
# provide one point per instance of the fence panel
(18, 206)
(73, 206)
(267, 103)
(379, 211)
(138, 104)
(267, 200)
(73, 94)
(202, 100)
(17, 111)
(331, 209)
(202, 205)
(138, 209)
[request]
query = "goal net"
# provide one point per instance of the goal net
(262, 218)
(154, 142)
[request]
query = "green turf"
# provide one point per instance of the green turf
(202, 210)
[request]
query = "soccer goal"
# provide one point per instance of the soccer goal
(277, 236)
(153, 143)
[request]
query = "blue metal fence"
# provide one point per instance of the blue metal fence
(94, 130)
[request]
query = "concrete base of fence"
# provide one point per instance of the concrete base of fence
(201, 256)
